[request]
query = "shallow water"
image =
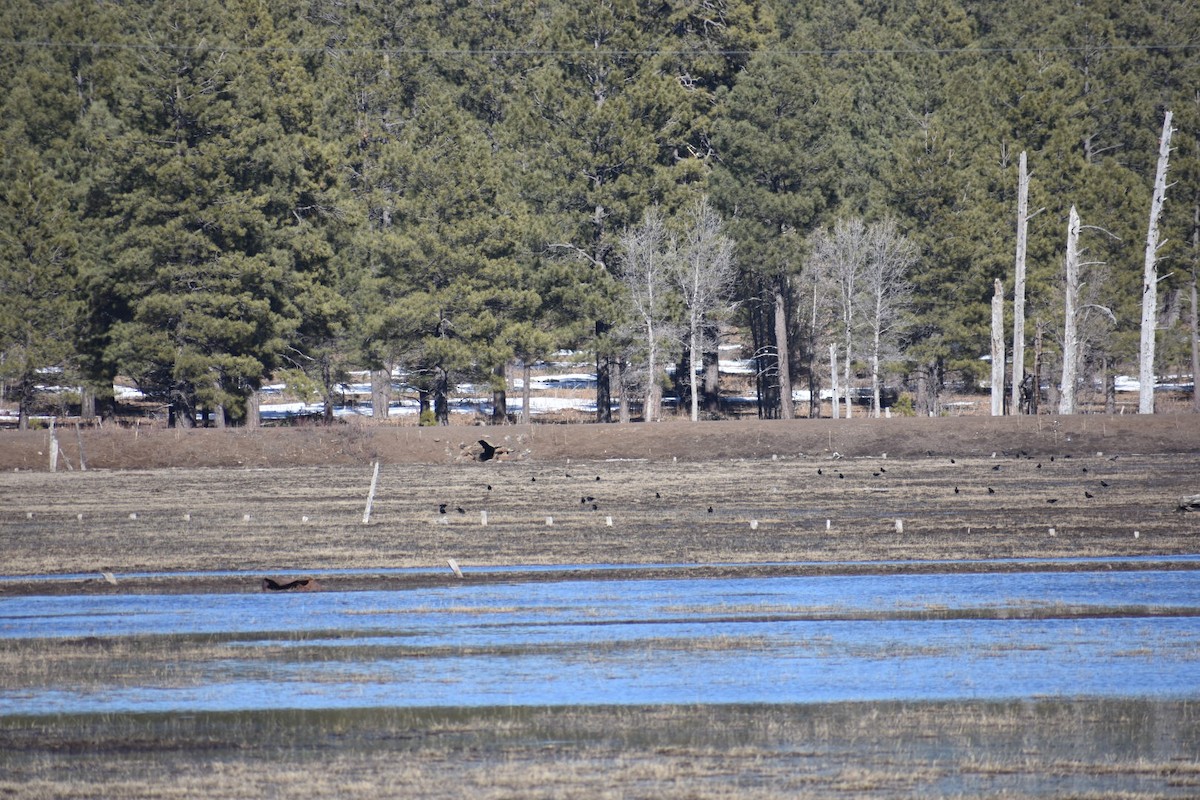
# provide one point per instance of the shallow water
(741, 640)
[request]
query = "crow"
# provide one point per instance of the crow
(996, 468)
(991, 490)
(1052, 500)
(710, 509)
(819, 472)
(1088, 494)
(461, 510)
(657, 496)
(956, 490)
(488, 451)
(1104, 484)
(442, 508)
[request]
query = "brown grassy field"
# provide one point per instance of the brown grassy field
(809, 494)
(1087, 487)
(1047, 748)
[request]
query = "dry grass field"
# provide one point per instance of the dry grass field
(801, 492)
(724, 498)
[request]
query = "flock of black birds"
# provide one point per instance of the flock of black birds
(995, 468)
(589, 501)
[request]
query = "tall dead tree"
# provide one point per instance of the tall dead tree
(998, 348)
(1070, 345)
(786, 410)
(1018, 340)
(1146, 375)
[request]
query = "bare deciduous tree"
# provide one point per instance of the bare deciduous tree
(705, 275)
(647, 254)
(865, 268)
(840, 257)
(885, 284)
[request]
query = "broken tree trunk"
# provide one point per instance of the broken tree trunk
(1070, 352)
(1018, 340)
(786, 411)
(1150, 276)
(998, 349)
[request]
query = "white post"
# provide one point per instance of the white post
(833, 376)
(371, 495)
(1150, 277)
(998, 349)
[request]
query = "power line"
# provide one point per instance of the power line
(580, 53)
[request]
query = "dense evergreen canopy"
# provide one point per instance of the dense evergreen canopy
(200, 194)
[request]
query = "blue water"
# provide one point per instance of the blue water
(742, 640)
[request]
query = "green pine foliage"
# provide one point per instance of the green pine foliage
(198, 194)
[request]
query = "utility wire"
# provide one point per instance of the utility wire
(580, 53)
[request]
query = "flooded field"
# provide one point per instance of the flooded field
(603, 642)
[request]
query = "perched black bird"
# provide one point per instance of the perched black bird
(956, 490)
(710, 509)
(1104, 483)
(533, 479)
(597, 477)
(1085, 469)
(875, 474)
(657, 496)
(819, 471)
(1051, 458)
(996, 468)
(595, 507)
(882, 469)
(461, 510)
(582, 500)
(991, 490)
(952, 461)
(1088, 494)
(1052, 500)
(840, 475)
(489, 487)
(1039, 466)
(488, 451)
(442, 508)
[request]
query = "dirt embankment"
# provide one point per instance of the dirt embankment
(153, 448)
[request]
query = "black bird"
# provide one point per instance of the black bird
(657, 496)
(991, 490)
(819, 472)
(882, 469)
(597, 477)
(1039, 466)
(1085, 469)
(840, 475)
(1088, 494)
(1104, 483)
(533, 479)
(595, 507)
(488, 451)
(442, 508)
(710, 509)
(996, 468)
(875, 474)
(582, 500)
(1052, 500)
(461, 510)
(952, 461)
(489, 487)
(956, 490)
(1051, 458)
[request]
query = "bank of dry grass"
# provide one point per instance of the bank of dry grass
(1050, 748)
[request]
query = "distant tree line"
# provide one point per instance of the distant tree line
(201, 194)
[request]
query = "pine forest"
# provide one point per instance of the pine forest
(202, 196)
